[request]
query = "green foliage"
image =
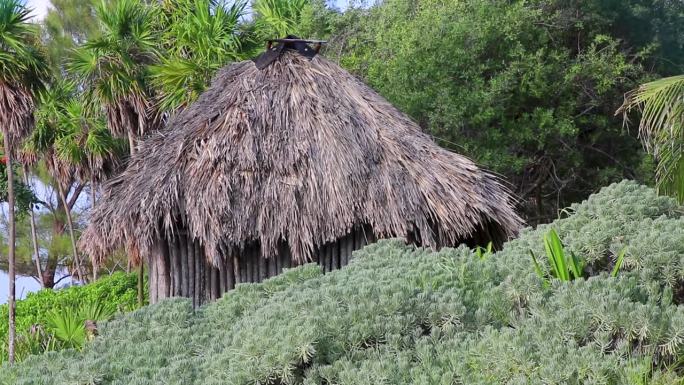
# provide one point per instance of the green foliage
(564, 266)
(401, 315)
(526, 88)
(21, 61)
(662, 112)
(68, 324)
(483, 252)
(67, 327)
(304, 18)
(23, 196)
(201, 36)
(48, 309)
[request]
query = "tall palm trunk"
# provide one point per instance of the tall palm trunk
(70, 224)
(92, 202)
(34, 236)
(11, 244)
(141, 266)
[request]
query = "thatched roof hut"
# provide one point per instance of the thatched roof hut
(284, 160)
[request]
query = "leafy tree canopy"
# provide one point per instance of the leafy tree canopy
(528, 89)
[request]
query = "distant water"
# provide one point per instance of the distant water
(24, 286)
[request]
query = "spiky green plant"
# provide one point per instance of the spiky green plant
(67, 327)
(278, 18)
(201, 36)
(564, 266)
(661, 128)
(484, 252)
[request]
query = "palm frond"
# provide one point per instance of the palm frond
(661, 128)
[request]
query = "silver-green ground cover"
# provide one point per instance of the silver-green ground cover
(400, 315)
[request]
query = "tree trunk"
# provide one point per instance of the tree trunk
(92, 205)
(141, 280)
(141, 268)
(176, 266)
(183, 250)
(70, 224)
(34, 236)
(11, 244)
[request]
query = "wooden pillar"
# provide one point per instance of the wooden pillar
(286, 258)
(197, 281)
(152, 278)
(249, 264)
(222, 277)
(160, 260)
(214, 282)
(263, 267)
(184, 275)
(272, 266)
(176, 267)
(230, 274)
(335, 255)
(201, 275)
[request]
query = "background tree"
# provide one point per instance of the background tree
(200, 36)
(527, 89)
(114, 67)
(21, 70)
(67, 25)
(661, 127)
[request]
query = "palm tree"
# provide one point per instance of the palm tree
(114, 69)
(200, 37)
(42, 144)
(21, 69)
(75, 146)
(661, 128)
(277, 18)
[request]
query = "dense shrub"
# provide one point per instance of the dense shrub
(400, 315)
(117, 291)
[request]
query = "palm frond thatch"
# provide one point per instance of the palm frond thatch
(300, 151)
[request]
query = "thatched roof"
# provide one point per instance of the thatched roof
(298, 151)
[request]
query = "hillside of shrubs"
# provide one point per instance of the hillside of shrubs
(401, 315)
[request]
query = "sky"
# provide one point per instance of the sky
(39, 7)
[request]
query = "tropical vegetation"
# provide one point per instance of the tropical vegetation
(538, 91)
(40, 311)
(404, 315)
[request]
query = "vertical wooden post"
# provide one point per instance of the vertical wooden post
(198, 274)
(176, 265)
(201, 261)
(287, 258)
(249, 264)
(230, 273)
(214, 283)
(161, 251)
(335, 246)
(263, 267)
(237, 268)
(273, 265)
(183, 250)
(222, 277)
(152, 277)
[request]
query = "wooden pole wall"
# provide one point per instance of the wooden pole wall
(178, 266)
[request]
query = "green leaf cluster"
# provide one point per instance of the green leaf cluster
(526, 88)
(44, 309)
(402, 315)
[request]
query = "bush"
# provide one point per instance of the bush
(401, 315)
(117, 291)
